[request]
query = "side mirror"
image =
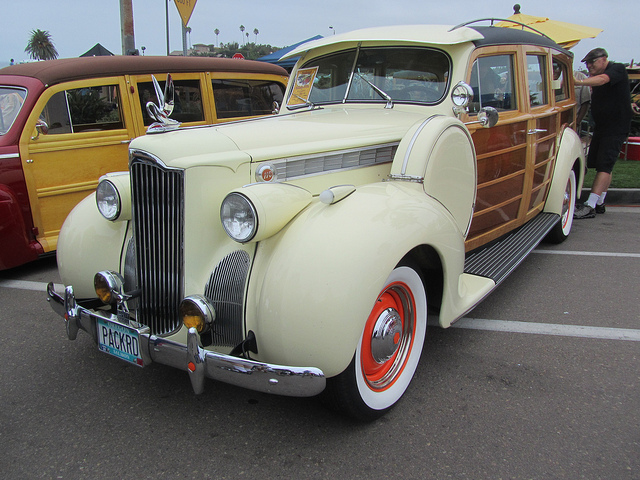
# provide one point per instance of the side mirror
(41, 128)
(487, 117)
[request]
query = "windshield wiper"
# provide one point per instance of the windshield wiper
(306, 103)
(377, 89)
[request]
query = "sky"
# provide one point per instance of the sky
(77, 25)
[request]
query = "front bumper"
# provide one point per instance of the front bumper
(198, 362)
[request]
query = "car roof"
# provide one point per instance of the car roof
(513, 36)
(51, 72)
(433, 35)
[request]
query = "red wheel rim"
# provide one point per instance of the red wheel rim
(380, 376)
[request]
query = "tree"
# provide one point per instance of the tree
(250, 51)
(40, 46)
(242, 31)
(217, 32)
(256, 32)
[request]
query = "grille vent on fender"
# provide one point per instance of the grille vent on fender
(296, 167)
(225, 290)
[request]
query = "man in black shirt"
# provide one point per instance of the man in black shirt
(611, 112)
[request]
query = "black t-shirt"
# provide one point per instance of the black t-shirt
(611, 102)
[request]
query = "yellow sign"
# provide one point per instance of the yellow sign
(302, 87)
(185, 8)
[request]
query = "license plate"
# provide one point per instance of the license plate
(120, 341)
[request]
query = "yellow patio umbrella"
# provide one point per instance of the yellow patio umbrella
(565, 34)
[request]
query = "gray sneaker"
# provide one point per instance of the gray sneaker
(601, 208)
(584, 211)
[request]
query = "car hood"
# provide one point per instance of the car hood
(279, 136)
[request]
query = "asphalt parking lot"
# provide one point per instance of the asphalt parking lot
(541, 381)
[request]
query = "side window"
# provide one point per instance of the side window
(83, 109)
(243, 98)
(537, 79)
(187, 100)
(56, 114)
(492, 80)
(560, 81)
(11, 100)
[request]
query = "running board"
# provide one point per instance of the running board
(501, 258)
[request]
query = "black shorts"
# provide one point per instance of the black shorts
(604, 150)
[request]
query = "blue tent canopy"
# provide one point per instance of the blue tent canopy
(289, 62)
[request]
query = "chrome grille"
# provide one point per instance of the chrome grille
(158, 226)
(225, 291)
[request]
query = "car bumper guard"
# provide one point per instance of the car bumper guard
(198, 362)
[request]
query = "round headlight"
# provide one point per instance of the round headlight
(108, 200)
(239, 218)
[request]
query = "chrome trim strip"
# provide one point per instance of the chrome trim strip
(407, 178)
(9, 155)
(405, 162)
(242, 372)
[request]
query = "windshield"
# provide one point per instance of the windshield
(380, 74)
(11, 100)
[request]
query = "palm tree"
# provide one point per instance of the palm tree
(256, 32)
(40, 46)
(217, 32)
(242, 31)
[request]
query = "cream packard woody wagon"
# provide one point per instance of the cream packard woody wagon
(408, 171)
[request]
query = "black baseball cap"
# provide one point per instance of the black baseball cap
(595, 53)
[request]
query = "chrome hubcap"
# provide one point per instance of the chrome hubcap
(386, 335)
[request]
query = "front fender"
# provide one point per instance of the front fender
(439, 150)
(314, 284)
(15, 246)
(88, 243)
(570, 152)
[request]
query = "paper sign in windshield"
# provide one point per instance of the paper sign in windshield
(302, 86)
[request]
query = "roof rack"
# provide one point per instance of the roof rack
(492, 19)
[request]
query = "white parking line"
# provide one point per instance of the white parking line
(29, 285)
(592, 254)
(549, 329)
(508, 326)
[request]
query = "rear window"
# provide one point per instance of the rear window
(243, 98)
(492, 80)
(560, 81)
(11, 100)
(187, 100)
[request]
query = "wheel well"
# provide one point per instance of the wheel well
(429, 266)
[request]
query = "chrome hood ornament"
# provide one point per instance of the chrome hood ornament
(160, 113)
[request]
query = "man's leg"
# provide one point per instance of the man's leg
(601, 183)
(603, 157)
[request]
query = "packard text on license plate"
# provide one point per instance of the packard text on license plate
(120, 341)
